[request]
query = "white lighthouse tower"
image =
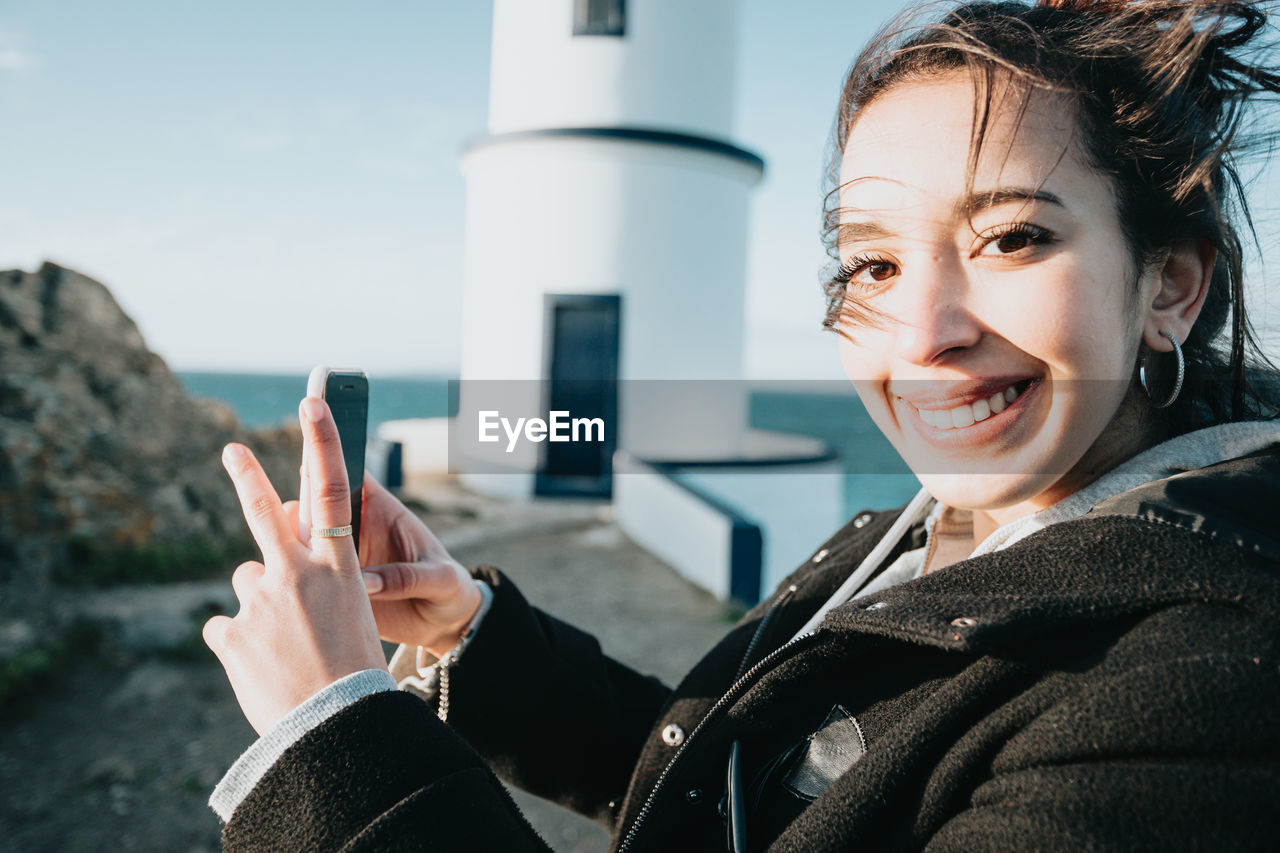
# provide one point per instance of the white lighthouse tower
(607, 213)
(605, 252)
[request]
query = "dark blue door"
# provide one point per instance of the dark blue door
(581, 371)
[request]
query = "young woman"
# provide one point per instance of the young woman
(1069, 640)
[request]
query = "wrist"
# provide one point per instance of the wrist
(477, 594)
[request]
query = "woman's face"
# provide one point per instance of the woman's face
(1007, 319)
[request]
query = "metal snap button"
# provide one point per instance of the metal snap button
(879, 605)
(693, 796)
(821, 555)
(862, 519)
(673, 735)
(964, 622)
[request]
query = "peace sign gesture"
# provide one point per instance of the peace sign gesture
(304, 619)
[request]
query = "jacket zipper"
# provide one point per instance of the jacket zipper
(724, 700)
(760, 629)
(932, 535)
(737, 822)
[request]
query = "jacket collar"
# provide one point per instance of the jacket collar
(1206, 535)
(1190, 451)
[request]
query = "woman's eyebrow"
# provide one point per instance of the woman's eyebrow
(857, 232)
(974, 202)
(980, 200)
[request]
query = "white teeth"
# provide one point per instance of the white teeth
(969, 414)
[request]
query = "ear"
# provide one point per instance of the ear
(1183, 282)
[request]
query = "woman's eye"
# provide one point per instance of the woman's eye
(1011, 239)
(1013, 242)
(864, 270)
(880, 270)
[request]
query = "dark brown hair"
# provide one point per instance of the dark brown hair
(1161, 91)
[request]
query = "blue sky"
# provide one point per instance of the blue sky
(265, 186)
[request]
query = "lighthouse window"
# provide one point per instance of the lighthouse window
(599, 18)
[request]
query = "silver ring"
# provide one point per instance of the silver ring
(1177, 385)
(330, 532)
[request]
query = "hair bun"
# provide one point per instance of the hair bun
(1106, 6)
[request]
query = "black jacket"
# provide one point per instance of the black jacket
(1107, 683)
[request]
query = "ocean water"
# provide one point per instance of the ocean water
(875, 477)
(269, 399)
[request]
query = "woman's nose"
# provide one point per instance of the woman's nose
(933, 317)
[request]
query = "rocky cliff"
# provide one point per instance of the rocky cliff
(109, 470)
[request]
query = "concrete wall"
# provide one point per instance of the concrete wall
(674, 524)
(687, 517)
(797, 507)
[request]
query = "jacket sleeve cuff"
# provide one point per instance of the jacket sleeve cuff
(383, 773)
(254, 762)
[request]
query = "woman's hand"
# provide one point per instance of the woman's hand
(426, 597)
(421, 596)
(305, 619)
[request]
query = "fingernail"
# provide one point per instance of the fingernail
(313, 409)
(233, 451)
(372, 582)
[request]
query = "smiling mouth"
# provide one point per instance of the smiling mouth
(968, 414)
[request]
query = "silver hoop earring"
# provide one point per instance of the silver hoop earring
(1177, 385)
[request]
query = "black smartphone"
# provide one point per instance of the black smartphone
(347, 393)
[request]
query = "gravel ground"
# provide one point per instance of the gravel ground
(121, 750)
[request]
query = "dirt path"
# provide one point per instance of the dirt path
(121, 751)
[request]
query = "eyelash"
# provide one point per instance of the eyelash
(855, 265)
(1037, 235)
